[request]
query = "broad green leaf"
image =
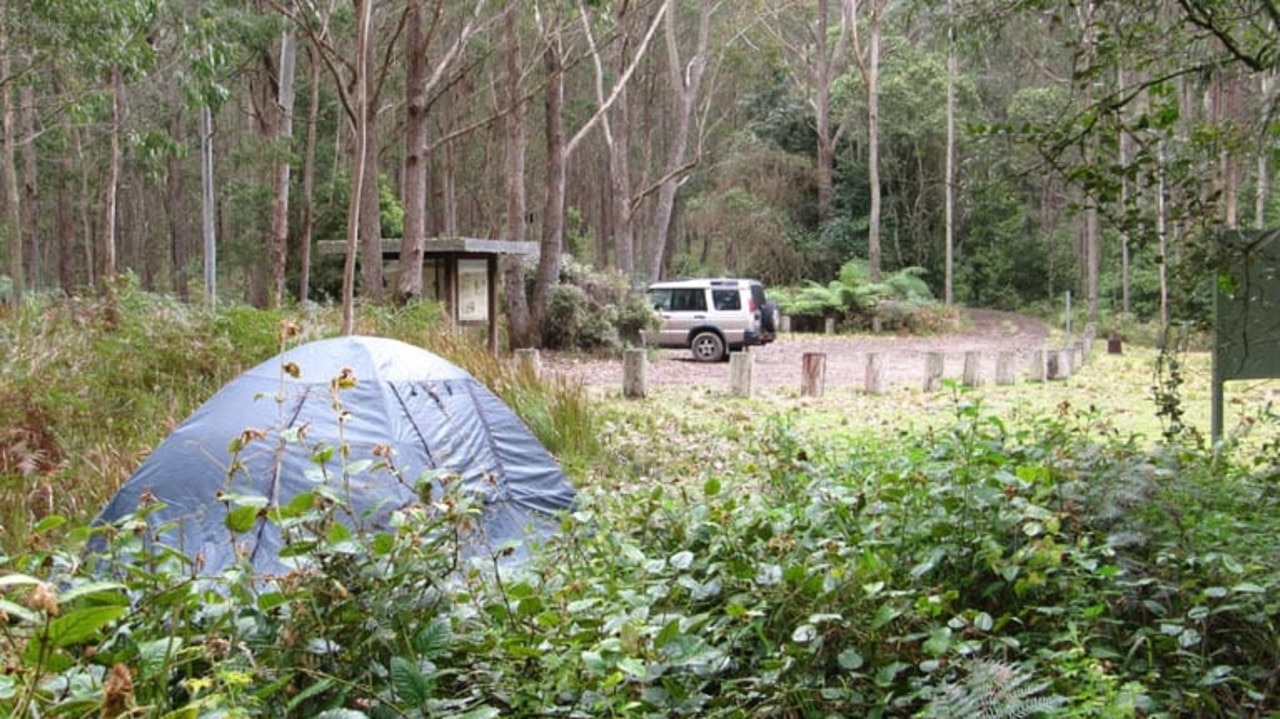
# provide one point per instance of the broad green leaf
(110, 593)
(15, 580)
(850, 659)
(82, 624)
(409, 683)
(17, 611)
(241, 518)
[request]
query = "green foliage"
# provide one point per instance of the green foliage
(901, 300)
(593, 311)
(1053, 568)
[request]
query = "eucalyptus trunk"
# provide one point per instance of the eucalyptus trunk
(30, 187)
(686, 86)
(309, 181)
(409, 280)
(553, 197)
(8, 170)
(283, 165)
(519, 328)
(111, 187)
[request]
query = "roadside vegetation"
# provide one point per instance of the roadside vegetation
(1010, 551)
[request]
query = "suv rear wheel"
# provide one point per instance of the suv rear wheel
(707, 346)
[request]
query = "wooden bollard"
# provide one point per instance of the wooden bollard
(972, 370)
(1004, 369)
(784, 324)
(829, 326)
(814, 379)
(529, 362)
(874, 383)
(933, 367)
(1058, 364)
(1037, 366)
(635, 370)
(740, 364)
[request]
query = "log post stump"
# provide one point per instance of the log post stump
(829, 326)
(784, 324)
(740, 364)
(1037, 366)
(972, 376)
(635, 371)
(933, 366)
(814, 374)
(874, 383)
(529, 362)
(1004, 369)
(1056, 365)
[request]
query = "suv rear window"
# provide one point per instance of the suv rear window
(726, 300)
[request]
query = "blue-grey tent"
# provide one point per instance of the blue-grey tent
(434, 417)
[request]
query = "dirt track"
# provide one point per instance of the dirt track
(777, 366)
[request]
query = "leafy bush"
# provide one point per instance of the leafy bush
(901, 301)
(591, 310)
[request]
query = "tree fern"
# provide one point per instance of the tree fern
(990, 690)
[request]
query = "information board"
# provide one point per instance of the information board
(1246, 312)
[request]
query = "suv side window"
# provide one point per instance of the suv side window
(726, 300)
(689, 300)
(660, 300)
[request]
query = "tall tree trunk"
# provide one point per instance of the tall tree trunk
(111, 189)
(30, 187)
(519, 328)
(624, 237)
(65, 207)
(175, 193)
(8, 170)
(873, 141)
(686, 85)
(553, 198)
(355, 224)
(309, 181)
(208, 237)
(283, 165)
(409, 279)
(950, 183)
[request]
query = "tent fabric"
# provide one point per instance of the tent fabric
(432, 415)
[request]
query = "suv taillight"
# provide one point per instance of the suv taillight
(751, 304)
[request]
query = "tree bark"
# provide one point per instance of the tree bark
(409, 280)
(873, 142)
(355, 224)
(111, 188)
(686, 85)
(175, 194)
(553, 199)
(282, 139)
(66, 223)
(309, 181)
(519, 334)
(30, 187)
(8, 170)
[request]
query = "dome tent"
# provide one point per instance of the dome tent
(434, 417)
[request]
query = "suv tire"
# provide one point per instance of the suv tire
(707, 346)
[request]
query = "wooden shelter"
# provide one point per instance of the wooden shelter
(459, 272)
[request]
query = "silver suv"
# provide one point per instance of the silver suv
(712, 317)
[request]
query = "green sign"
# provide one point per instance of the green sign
(1246, 312)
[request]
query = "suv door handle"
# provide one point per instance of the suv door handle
(699, 317)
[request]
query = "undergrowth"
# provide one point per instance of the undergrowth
(1045, 567)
